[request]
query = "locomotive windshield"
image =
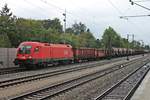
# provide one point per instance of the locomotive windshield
(25, 49)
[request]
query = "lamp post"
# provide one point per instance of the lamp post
(128, 35)
(64, 14)
(133, 41)
(127, 46)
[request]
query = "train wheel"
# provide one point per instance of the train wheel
(45, 65)
(22, 65)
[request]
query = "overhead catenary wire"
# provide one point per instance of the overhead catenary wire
(57, 7)
(121, 14)
(132, 3)
(141, 0)
(114, 7)
(60, 10)
(42, 9)
(135, 16)
(69, 14)
(39, 7)
(126, 17)
(12, 5)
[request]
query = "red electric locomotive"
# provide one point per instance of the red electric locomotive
(36, 53)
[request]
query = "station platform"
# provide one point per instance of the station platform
(143, 91)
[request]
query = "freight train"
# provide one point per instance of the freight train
(31, 54)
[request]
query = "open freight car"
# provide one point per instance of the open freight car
(84, 54)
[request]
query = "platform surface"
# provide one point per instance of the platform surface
(143, 91)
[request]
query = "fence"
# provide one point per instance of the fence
(7, 56)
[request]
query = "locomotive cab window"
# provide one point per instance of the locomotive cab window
(25, 49)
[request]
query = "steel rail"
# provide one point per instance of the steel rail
(35, 93)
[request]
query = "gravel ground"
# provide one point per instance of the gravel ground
(21, 88)
(95, 87)
(44, 70)
(51, 69)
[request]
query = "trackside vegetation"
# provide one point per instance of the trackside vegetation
(14, 30)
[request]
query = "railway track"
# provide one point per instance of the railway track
(16, 81)
(11, 70)
(54, 90)
(18, 69)
(125, 88)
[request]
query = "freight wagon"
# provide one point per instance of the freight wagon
(32, 54)
(81, 54)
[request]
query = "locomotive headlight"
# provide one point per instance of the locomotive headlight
(30, 57)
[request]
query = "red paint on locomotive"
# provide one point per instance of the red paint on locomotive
(39, 53)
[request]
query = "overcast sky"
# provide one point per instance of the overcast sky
(96, 14)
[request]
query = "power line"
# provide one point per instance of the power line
(134, 16)
(141, 0)
(114, 7)
(55, 6)
(40, 8)
(21, 7)
(61, 10)
(138, 28)
(47, 3)
(70, 14)
(132, 3)
(44, 1)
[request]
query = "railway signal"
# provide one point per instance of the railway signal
(64, 14)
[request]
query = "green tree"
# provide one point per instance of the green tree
(87, 40)
(111, 38)
(53, 25)
(98, 43)
(15, 30)
(124, 43)
(79, 28)
(6, 24)
(69, 30)
(5, 19)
